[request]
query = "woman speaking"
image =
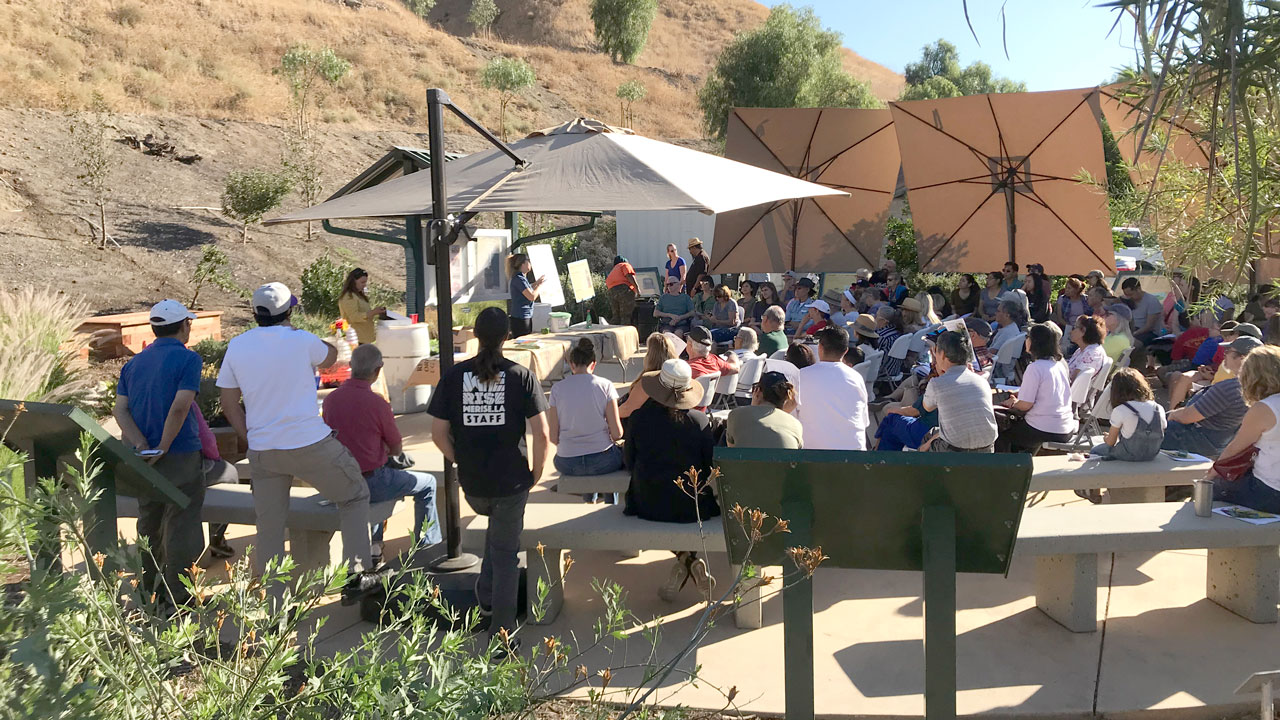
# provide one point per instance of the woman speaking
(523, 294)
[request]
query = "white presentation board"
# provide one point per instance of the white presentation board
(477, 268)
(580, 280)
(544, 266)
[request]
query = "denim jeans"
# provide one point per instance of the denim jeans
(387, 483)
(724, 334)
(601, 463)
(499, 582)
(1195, 439)
(1248, 491)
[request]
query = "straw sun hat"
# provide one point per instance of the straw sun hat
(865, 326)
(673, 385)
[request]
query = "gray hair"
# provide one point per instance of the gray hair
(366, 360)
(748, 337)
(1014, 309)
(775, 313)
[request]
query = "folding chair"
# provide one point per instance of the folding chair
(708, 383)
(1006, 356)
(869, 368)
(748, 376)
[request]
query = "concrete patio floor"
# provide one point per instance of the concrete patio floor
(1161, 646)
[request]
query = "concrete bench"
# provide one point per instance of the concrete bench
(1126, 482)
(566, 526)
(614, 482)
(311, 525)
(1244, 559)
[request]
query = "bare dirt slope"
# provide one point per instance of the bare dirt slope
(43, 239)
(202, 73)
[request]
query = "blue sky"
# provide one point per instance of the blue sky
(1053, 44)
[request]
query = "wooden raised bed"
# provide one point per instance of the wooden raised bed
(127, 334)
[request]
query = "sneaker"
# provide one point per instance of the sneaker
(676, 580)
(702, 577)
(364, 583)
(221, 549)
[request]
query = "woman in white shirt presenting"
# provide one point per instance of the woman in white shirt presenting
(1137, 422)
(1258, 488)
(1044, 398)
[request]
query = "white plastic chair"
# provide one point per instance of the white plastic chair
(1124, 357)
(1007, 355)
(779, 354)
(869, 368)
(708, 383)
(1080, 387)
(901, 347)
(749, 375)
(724, 387)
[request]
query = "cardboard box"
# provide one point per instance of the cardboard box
(427, 373)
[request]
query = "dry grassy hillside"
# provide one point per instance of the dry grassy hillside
(214, 58)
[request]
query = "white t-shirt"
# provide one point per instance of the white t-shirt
(1267, 465)
(832, 407)
(275, 369)
(1045, 384)
(1125, 419)
(580, 401)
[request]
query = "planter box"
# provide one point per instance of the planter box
(128, 334)
(230, 446)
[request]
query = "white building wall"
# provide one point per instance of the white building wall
(643, 235)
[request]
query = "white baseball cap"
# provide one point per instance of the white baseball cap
(168, 312)
(273, 298)
(822, 305)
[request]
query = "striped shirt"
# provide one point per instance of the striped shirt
(889, 366)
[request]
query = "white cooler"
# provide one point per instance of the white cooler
(541, 316)
(403, 347)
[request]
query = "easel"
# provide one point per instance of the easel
(940, 513)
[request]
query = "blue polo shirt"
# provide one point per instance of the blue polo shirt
(151, 380)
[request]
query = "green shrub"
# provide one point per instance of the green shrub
(93, 642)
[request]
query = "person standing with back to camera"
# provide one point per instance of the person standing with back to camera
(523, 294)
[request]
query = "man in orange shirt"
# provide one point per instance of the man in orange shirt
(621, 285)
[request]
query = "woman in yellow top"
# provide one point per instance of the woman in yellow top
(354, 307)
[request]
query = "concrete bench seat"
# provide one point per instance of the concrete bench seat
(614, 482)
(1244, 560)
(1126, 482)
(311, 525)
(568, 526)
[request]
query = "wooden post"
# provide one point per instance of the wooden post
(939, 534)
(1268, 702)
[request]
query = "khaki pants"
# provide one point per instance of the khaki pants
(326, 466)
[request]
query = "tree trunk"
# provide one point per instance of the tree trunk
(244, 234)
(102, 221)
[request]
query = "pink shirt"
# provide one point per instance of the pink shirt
(363, 421)
(208, 443)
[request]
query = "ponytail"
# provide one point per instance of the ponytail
(583, 354)
(492, 326)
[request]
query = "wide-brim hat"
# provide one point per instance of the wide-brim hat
(911, 304)
(673, 386)
(694, 242)
(865, 325)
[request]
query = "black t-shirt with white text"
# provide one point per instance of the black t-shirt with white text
(487, 424)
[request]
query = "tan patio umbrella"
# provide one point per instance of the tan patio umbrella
(1126, 115)
(851, 150)
(994, 178)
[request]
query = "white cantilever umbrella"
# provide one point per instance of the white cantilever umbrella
(582, 166)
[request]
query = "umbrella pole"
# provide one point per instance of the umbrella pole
(438, 248)
(1009, 197)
